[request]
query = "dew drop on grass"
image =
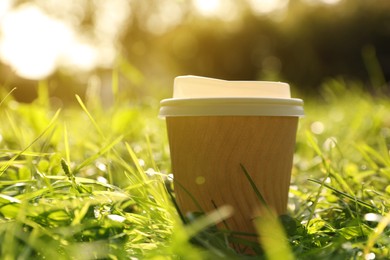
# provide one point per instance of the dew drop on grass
(347, 246)
(330, 143)
(369, 256)
(372, 217)
(116, 218)
(151, 172)
(102, 179)
(96, 213)
(101, 166)
(141, 162)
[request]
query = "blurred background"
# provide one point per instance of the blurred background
(137, 47)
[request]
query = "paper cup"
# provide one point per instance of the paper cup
(218, 128)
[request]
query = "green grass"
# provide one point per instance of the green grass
(88, 182)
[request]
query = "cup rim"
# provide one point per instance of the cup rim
(231, 100)
(238, 106)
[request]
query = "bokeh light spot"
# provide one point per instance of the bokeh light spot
(200, 180)
(317, 127)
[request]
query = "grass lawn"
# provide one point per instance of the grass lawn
(93, 182)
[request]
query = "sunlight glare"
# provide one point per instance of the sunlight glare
(80, 56)
(329, 2)
(207, 7)
(226, 10)
(5, 5)
(267, 6)
(31, 41)
(36, 40)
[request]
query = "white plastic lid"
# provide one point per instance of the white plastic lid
(201, 96)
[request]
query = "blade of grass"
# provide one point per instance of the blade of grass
(17, 132)
(102, 151)
(135, 161)
(150, 153)
(224, 221)
(374, 156)
(5, 153)
(194, 200)
(181, 215)
(314, 205)
(210, 219)
(6, 96)
(360, 202)
(255, 189)
(272, 237)
(66, 143)
(313, 143)
(54, 119)
(159, 192)
(69, 174)
(79, 214)
(97, 127)
(311, 140)
(378, 231)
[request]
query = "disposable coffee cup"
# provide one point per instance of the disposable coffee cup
(220, 130)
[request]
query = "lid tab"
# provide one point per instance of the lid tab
(202, 87)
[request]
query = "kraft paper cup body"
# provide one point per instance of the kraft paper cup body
(218, 128)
